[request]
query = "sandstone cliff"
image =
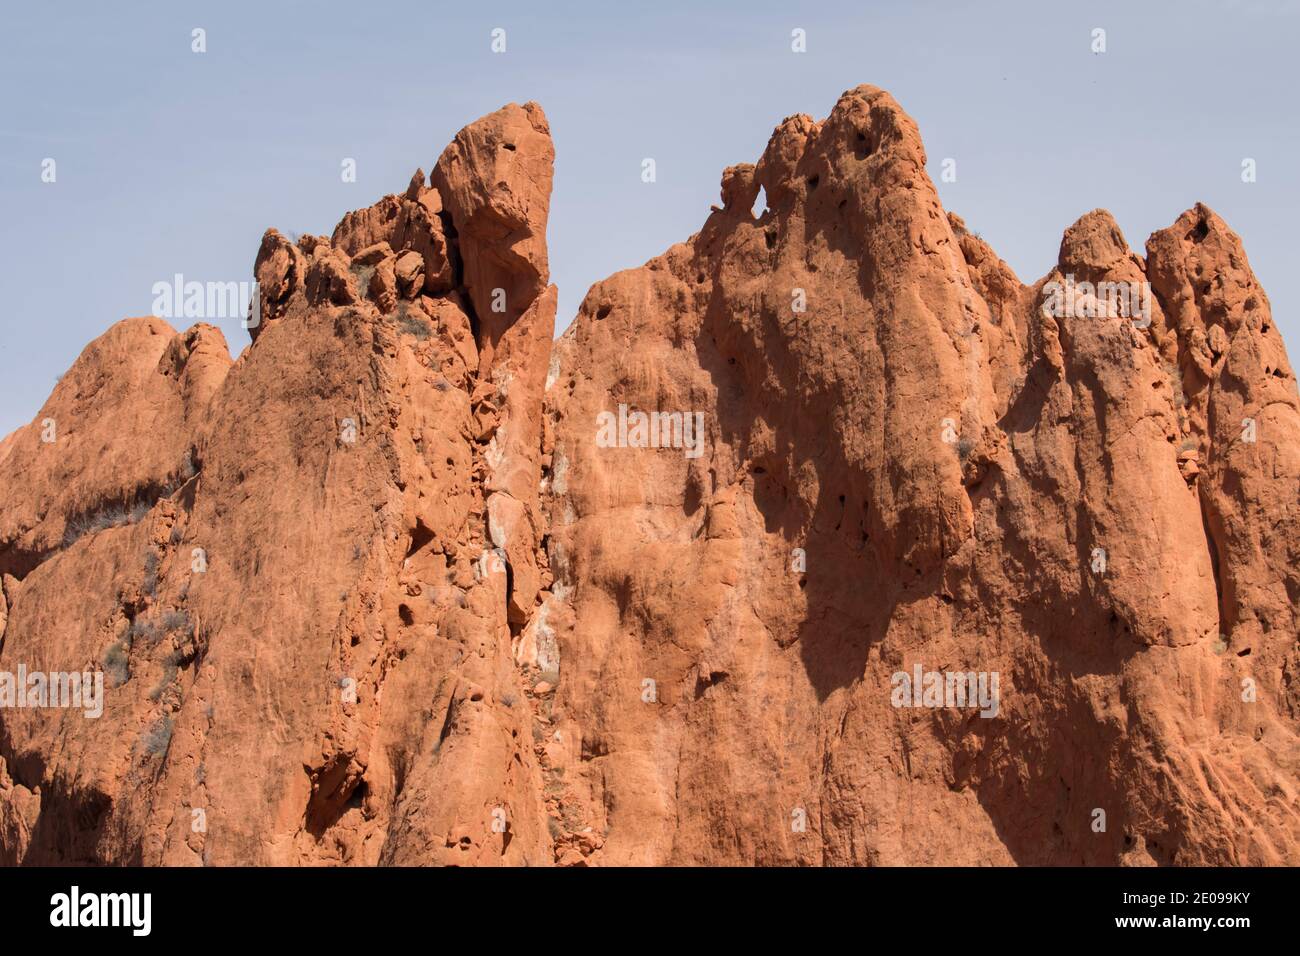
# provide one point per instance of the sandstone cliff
(398, 585)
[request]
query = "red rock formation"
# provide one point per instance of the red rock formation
(407, 584)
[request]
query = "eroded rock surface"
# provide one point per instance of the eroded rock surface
(410, 583)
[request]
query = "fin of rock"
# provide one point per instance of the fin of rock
(307, 643)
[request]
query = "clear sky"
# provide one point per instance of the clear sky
(173, 161)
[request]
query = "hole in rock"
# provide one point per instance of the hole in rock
(358, 796)
(603, 311)
(421, 534)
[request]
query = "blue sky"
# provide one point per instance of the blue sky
(171, 161)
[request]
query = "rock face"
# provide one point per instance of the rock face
(409, 583)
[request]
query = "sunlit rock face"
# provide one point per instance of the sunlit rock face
(819, 539)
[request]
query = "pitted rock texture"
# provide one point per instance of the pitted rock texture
(383, 590)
